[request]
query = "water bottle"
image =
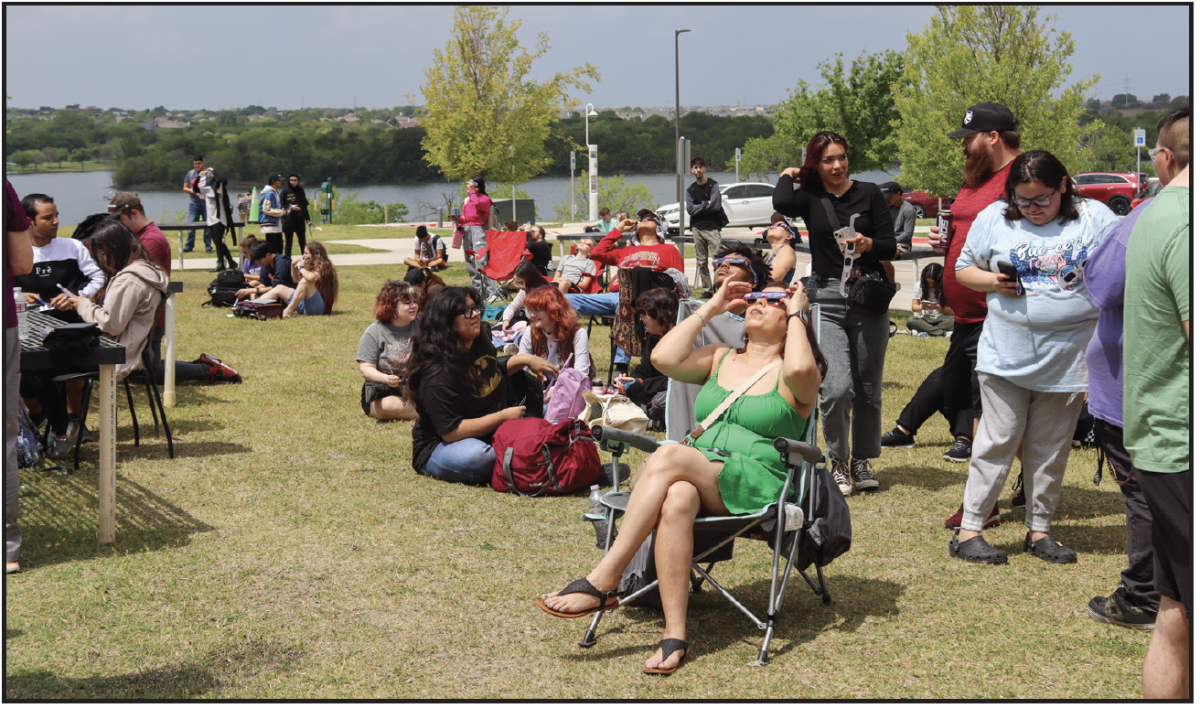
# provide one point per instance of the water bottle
(595, 507)
(22, 326)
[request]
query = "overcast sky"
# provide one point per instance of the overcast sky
(293, 55)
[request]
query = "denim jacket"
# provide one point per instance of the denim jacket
(269, 209)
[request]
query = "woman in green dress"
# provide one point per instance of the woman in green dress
(731, 469)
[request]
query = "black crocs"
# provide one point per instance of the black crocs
(977, 550)
(1049, 549)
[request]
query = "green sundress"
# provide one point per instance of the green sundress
(753, 475)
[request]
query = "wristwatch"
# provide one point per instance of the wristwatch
(802, 315)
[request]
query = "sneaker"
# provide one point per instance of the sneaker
(11, 567)
(896, 438)
(207, 360)
(707, 294)
(85, 436)
(1018, 500)
(223, 372)
(993, 520)
(841, 476)
(1116, 609)
(960, 451)
(61, 447)
(860, 474)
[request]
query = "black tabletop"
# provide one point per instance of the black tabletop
(35, 357)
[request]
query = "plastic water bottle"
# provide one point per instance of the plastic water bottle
(22, 326)
(595, 507)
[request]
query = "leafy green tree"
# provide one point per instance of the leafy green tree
(1162, 98)
(1182, 101)
(858, 104)
(1093, 104)
(1111, 149)
(22, 158)
(611, 192)
(766, 157)
(481, 100)
(972, 54)
(351, 211)
(1124, 100)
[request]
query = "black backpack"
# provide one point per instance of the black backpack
(223, 291)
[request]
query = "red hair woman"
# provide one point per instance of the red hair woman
(554, 331)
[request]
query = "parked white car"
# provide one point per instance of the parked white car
(745, 203)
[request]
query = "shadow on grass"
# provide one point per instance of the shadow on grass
(221, 668)
(714, 624)
(60, 519)
(1082, 538)
(931, 478)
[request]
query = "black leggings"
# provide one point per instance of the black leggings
(217, 231)
(298, 230)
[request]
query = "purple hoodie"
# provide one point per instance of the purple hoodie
(1104, 272)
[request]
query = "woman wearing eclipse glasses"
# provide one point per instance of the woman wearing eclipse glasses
(850, 234)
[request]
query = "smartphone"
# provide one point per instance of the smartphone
(1010, 271)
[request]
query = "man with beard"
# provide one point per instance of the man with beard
(991, 142)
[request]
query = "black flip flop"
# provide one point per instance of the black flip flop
(668, 647)
(582, 585)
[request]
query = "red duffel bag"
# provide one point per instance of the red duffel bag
(536, 457)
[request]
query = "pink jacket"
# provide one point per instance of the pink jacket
(476, 210)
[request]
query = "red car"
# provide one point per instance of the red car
(925, 203)
(1150, 193)
(1116, 189)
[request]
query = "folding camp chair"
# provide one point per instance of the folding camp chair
(783, 523)
(500, 257)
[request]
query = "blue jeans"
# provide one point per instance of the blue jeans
(468, 461)
(601, 305)
(197, 212)
(855, 345)
(312, 305)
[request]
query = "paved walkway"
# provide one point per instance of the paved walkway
(395, 250)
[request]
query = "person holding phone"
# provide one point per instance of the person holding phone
(1031, 367)
(934, 317)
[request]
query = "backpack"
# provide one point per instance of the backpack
(567, 400)
(535, 457)
(223, 291)
(829, 534)
(28, 447)
(258, 310)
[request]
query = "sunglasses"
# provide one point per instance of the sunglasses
(732, 261)
(784, 225)
(467, 312)
(1026, 203)
(773, 298)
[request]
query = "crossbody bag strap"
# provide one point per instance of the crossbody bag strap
(847, 265)
(712, 417)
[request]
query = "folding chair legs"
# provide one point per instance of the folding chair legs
(137, 438)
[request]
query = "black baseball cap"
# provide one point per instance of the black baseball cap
(986, 117)
(890, 188)
(274, 176)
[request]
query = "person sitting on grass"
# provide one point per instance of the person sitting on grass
(935, 318)
(461, 393)
(427, 284)
(577, 272)
(429, 251)
(316, 284)
(251, 271)
(658, 309)
(680, 482)
(274, 269)
(554, 331)
(383, 351)
(527, 277)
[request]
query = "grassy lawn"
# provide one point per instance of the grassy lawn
(290, 551)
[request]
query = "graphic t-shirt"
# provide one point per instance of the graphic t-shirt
(659, 256)
(1038, 340)
(432, 248)
(62, 261)
(386, 346)
(1158, 367)
(443, 401)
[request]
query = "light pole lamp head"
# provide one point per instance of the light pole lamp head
(593, 114)
(680, 31)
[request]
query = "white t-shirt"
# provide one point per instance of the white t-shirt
(575, 267)
(582, 361)
(1038, 340)
(431, 249)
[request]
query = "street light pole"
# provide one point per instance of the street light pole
(593, 179)
(678, 168)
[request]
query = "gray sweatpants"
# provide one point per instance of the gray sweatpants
(12, 485)
(474, 239)
(1008, 412)
(707, 241)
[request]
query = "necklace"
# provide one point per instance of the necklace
(849, 183)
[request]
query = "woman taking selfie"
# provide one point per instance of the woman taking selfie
(1032, 372)
(733, 467)
(854, 330)
(461, 393)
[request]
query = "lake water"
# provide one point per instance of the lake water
(79, 194)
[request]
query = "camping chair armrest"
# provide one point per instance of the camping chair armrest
(604, 433)
(810, 453)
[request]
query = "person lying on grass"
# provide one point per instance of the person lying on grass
(461, 394)
(316, 284)
(383, 352)
(680, 482)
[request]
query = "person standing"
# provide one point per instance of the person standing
(854, 339)
(477, 211)
(196, 206)
(1156, 405)
(703, 202)
(271, 212)
(295, 203)
(215, 187)
(905, 218)
(18, 260)
(991, 142)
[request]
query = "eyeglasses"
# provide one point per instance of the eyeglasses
(774, 298)
(468, 312)
(1040, 201)
(732, 261)
(532, 311)
(1153, 152)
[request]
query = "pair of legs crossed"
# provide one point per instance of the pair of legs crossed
(297, 298)
(676, 485)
